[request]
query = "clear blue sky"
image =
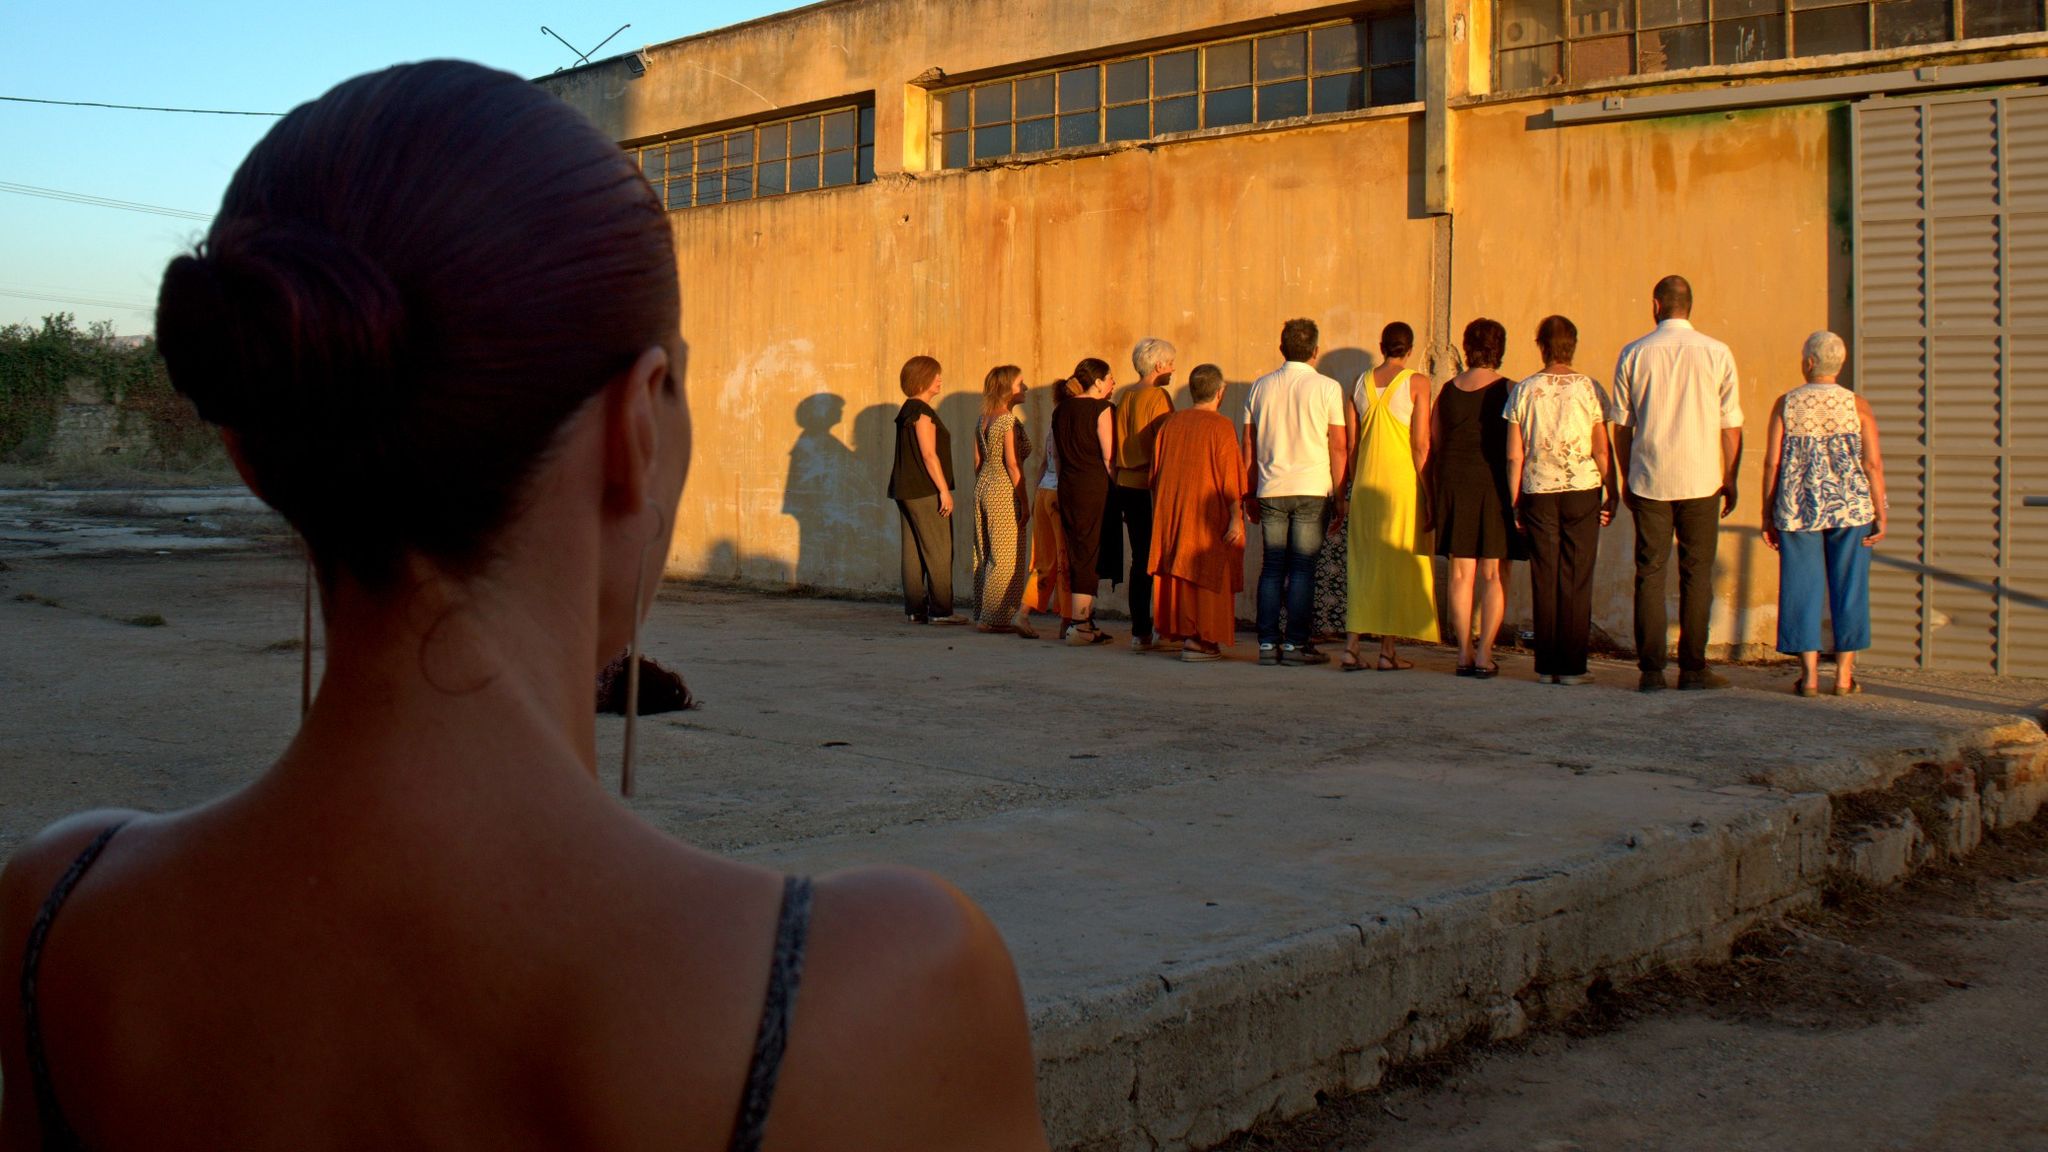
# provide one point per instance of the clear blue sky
(232, 54)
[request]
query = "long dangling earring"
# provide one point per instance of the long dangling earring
(626, 775)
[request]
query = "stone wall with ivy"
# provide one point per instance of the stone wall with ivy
(66, 389)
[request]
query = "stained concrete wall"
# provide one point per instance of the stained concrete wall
(800, 309)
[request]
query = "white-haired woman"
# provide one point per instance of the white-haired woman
(1824, 509)
(1140, 410)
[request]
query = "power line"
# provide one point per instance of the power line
(100, 201)
(132, 107)
(81, 301)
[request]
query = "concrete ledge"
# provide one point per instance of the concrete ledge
(1183, 1061)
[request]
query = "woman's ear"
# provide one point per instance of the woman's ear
(633, 429)
(232, 441)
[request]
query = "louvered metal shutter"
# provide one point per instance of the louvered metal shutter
(1951, 283)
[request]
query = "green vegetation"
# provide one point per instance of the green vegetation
(37, 365)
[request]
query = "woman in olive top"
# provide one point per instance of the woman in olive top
(922, 487)
(1082, 427)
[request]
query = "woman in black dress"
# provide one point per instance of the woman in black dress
(1082, 426)
(1475, 525)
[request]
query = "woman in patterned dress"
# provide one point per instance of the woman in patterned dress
(1824, 509)
(1000, 510)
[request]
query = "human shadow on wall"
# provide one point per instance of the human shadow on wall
(836, 506)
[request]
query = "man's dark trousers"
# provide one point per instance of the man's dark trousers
(1697, 524)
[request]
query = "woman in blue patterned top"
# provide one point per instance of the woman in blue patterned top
(1824, 508)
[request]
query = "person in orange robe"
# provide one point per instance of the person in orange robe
(1197, 537)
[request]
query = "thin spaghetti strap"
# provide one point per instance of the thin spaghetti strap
(785, 973)
(57, 1133)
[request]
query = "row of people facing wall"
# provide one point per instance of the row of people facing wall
(1353, 490)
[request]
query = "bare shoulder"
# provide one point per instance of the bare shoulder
(910, 1030)
(36, 867)
(31, 873)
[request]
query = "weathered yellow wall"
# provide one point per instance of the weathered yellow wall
(800, 309)
(1584, 220)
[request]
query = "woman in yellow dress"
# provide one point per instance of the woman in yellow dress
(1390, 586)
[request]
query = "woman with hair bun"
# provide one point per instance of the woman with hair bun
(435, 320)
(1001, 506)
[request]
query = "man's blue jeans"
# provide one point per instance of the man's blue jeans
(1293, 530)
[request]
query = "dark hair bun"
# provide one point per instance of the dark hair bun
(269, 326)
(413, 282)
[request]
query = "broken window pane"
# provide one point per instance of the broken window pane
(1600, 18)
(1340, 49)
(1227, 66)
(1127, 81)
(1826, 31)
(1670, 49)
(1174, 73)
(1604, 59)
(2000, 17)
(1529, 68)
(1525, 22)
(1904, 22)
(1748, 40)
(1034, 97)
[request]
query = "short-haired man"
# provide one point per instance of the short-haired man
(1140, 409)
(1294, 441)
(1197, 557)
(1677, 434)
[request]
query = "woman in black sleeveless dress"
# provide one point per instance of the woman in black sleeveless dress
(1475, 527)
(1082, 426)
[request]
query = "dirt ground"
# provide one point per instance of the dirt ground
(1915, 1019)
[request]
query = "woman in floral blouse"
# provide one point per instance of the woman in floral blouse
(1559, 466)
(1824, 508)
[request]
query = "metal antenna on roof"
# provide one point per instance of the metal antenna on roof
(583, 57)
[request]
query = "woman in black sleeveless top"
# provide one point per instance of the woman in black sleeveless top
(1084, 429)
(1475, 526)
(436, 322)
(921, 484)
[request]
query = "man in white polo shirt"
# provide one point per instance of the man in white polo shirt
(1677, 433)
(1294, 458)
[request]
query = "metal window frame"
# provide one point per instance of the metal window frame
(1367, 65)
(1958, 34)
(863, 172)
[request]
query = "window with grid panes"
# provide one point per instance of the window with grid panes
(1544, 43)
(1314, 71)
(823, 150)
